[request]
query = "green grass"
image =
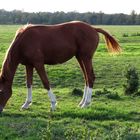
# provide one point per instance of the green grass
(105, 119)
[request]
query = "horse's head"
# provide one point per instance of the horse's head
(5, 94)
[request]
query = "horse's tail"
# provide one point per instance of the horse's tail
(112, 45)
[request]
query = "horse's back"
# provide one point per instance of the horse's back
(58, 43)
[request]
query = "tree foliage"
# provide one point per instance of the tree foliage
(20, 17)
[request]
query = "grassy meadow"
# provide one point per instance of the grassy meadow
(107, 118)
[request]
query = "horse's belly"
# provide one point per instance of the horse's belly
(58, 58)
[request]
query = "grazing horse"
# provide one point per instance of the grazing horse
(36, 45)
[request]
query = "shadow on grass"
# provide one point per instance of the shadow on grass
(99, 113)
(48, 124)
(19, 126)
(132, 137)
(22, 115)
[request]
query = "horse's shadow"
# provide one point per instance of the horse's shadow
(43, 119)
(106, 114)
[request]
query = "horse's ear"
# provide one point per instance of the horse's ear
(0, 76)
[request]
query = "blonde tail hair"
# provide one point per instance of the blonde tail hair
(112, 45)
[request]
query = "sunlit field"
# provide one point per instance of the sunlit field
(107, 118)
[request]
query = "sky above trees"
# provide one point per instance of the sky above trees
(106, 6)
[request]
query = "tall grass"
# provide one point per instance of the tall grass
(110, 116)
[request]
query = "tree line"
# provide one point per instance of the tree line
(21, 17)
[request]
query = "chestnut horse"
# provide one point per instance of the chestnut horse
(36, 45)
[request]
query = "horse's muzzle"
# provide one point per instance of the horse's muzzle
(1, 109)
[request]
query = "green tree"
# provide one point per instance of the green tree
(133, 17)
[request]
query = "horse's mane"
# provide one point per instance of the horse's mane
(9, 54)
(22, 29)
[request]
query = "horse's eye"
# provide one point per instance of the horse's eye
(1, 91)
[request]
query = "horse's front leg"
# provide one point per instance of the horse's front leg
(29, 74)
(41, 71)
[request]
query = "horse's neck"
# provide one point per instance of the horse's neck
(8, 70)
(11, 62)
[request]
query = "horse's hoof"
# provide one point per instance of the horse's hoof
(53, 106)
(86, 104)
(81, 103)
(26, 105)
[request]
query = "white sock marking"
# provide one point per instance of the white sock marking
(84, 96)
(51, 96)
(52, 99)
(28, 99)
(29, 94)
(89, 95)
(87, 98)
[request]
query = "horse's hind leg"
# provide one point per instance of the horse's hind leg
(90, 81)
(41, 71)
(85, 76)
(29, 74)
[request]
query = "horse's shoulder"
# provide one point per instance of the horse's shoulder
(23, 28)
